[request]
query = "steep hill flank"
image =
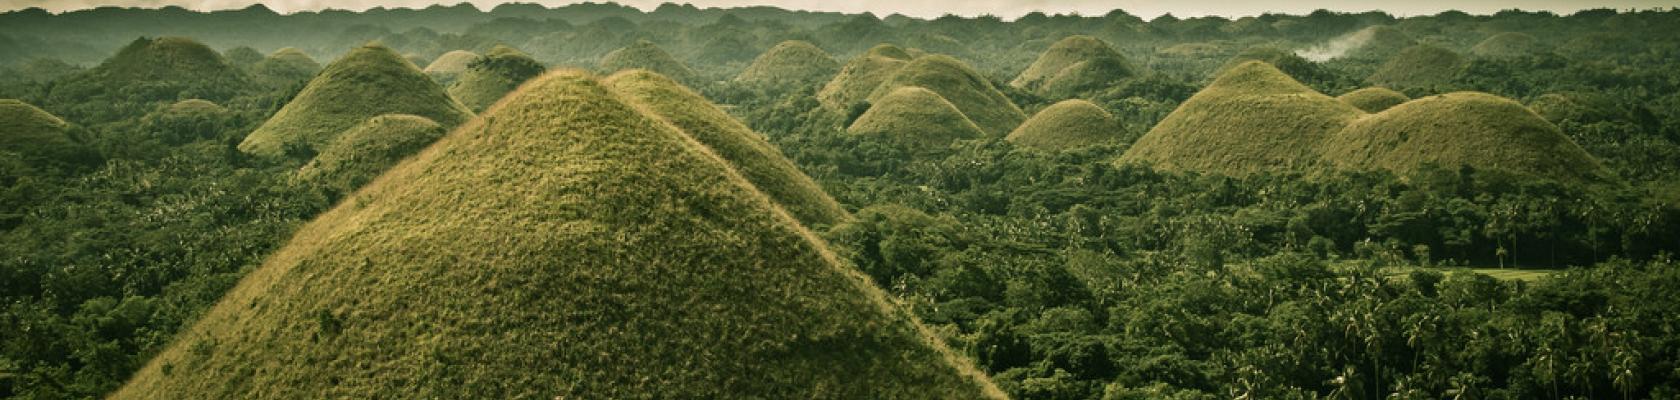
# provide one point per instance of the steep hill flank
(793, 62)
(747, 151)
(1073, 65)
(917, 119)
(492, 76)
(1476, 129)
(363, 152)
(369, 81)
(962, 86)
(862, 75)
(563, 245)
(645, 55)
(1373, 99)
(1419, 66)
(1068, 124)
(1253, 118)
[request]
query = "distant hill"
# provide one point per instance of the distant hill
(646, 55)
(190, 120)
(1579, 107)
(1507, 44)
(366, 150)
(37, 136)
(1419, 66)
(1253, 118)
(284, 67)
(565, 244)
(1074, 65)
(1479, 130)
(747, 151)
(916, 119)
(1290, 63)
(449, 65)
(1373, 99)
(1068, 124)
(793, 62)
(860, 76)
(962, 86)
(492, 76)
(145, 72)
(368, 81)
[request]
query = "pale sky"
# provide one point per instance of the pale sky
(935, 8)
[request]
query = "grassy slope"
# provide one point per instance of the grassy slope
(369, 81)
(1465, 128)
(1373, 99)
(645, 55)
(916, 118)
(1071, 64)
(368, 149)
(789, 63)
(514, 259)
(167, 59)
(1065, 125)
(962, 86)
(1418, 66)
(1252, 118)
(492, 76)
(453, 62)
(33, 133)
(862, 75)
(748, 152)
(284, 67)
(1507, 44)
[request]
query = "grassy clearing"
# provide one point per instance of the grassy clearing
(564, 245)
(792, 62)
(1068, 124)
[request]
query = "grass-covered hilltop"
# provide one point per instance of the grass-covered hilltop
(636, 262)
(974, 200)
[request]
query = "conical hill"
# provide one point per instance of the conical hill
(1068, 124)
(646, 55)
(793, 62)
(368, 149)
(36, 135)
(449, 65)
(962, 86)
(563, 245)
(917, 119)
(747, 151)
(492, 76)
(284, 67)
(1253, 118)
(369, 81)
(1507, 44)
(862, 75)
(1419, 66)
(1072, 65)
(1373, 99)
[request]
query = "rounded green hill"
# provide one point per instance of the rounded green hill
(447, 66)
(368, 149)
(563, 245)
(492, 76)
(146, 72)
(1479, 130)
(862, 75)
(167, 59)
(645, 55)
(1373, 99)
(367, 82)
(1378, 42)
(1068, 124)
(793, 62)
(36, 135)
(1074, 65)
(962, 86)
(1253, 118)
(1507, 44)
(284, 67)
(747, 151)
(1419, 66)
(917, 119)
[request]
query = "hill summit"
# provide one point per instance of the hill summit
(962, 86)
(917, 119)
(450, 65)
(284, 67)
(1068, 124)
(1419, 66)
(514, 259)
(862, 75)
(1252, 118)
(792, 62)
(492, 76)
(646, 55)
(167, 59)
(1074, 65)
(369, 81)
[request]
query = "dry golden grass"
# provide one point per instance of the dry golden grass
(1072, 65)
(563, 245)
(363, 152)
(646, 55)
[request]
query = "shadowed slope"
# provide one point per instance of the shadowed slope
(791, 62)
(1068, 124)
(645, 55)
(1074, 64)
(492, 76)
(862, 75)
(962, 86)
(916, 118)
(562, 245)
(1253, 118)
(1466, 128)
(36, 135)
(757, 160)
(369, 81)
(368, 149)
(1373, 99)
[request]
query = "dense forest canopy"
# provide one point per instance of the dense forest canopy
(1056, 206)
